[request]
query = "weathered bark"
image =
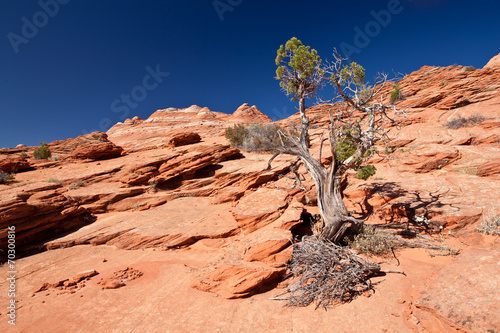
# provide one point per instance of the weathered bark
(330, 203)
(304, 121)
(327, 182)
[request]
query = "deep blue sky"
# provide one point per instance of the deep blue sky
(64, 78)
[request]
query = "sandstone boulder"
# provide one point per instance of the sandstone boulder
(182, 139)
(10, 163)
(95, 146)
(235, 281)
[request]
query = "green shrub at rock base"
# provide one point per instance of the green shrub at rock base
(236, 135)
(42, 152)
(369, 241)
(367, 171)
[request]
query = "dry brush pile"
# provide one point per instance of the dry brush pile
(325, 273)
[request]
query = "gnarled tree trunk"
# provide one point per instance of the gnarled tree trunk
(327, 182)
(332, 207)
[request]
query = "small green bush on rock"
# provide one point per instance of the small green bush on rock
(396, 94)
(236, 135)
(345, 148)
(42, 152)
(366, 171)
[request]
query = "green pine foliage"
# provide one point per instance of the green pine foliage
(297, 64)
(353, 73)
(366, 171)
(345, 148)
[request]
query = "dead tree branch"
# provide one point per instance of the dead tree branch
(325, 273)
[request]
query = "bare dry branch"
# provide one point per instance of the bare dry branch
(326, 274)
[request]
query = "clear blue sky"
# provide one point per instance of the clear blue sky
(67, 69)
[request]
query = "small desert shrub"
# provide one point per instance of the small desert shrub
(55, 180)
(447, 250)
(396, 94)
(5, 177)
(257, 137)
(465, 122)
(23, 154)
(366, 171)
(490, 225)
(236, 135)
(42, 152)
(153, 186)
(77, 184)
(262, 138)
(370, 241)
(469, 68)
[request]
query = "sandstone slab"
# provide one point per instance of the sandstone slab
(259, 208)
(180, 222)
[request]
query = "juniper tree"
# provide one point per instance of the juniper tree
(357, 122)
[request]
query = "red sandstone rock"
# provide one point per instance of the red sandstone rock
(259, 208)
(464, 294)
(182, 139)
(97, 148)
(248, 114)
(13, 164)
(112, 284)
(89, 146)
(431, 158)
(85, 275)
(263, 244)
(236, 281)
(42, 287)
